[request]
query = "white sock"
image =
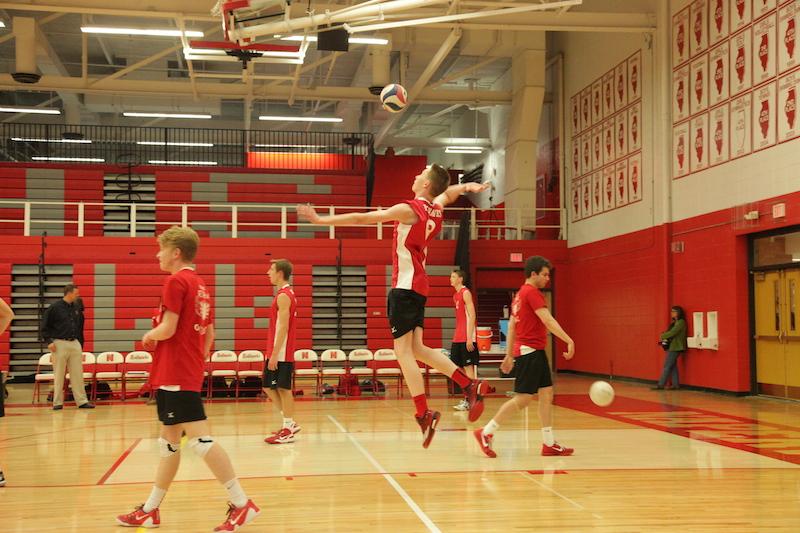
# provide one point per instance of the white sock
(154, 500)
(236, 493)
(548, 437)
(491, 427)
(288, 422)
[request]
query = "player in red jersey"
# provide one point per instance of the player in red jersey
(279, 370)
(463, 351)
(182, 338)
(527, 335)
(6, 316)
(417, 222)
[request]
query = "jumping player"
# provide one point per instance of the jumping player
(527, 336)
(182, 337)
(417, 222)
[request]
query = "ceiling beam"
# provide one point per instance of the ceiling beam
(19, 6)
(139, 64)
(463, 72)
(215, 91)
(440, 55)
(40, 22)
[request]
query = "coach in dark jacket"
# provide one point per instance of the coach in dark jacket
(62, 330)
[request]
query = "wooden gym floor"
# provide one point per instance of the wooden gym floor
(651, 462)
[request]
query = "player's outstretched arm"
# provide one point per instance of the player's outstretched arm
(399, 212)
(555, 328)
(452, 193)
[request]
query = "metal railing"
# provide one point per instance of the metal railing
(57, 143)
(241, 220)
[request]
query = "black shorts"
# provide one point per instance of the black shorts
(463, 357)
(178, 407)
(532, 372)
(406, 310)
(279, 379)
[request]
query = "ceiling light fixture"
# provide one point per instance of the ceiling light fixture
(463, 150)
(165, 115)
(141, 31)
(164, 162)
(34, 110)
(300, 119)
(351, 40)
(162, 143)
(33, 140)
(72, 159)
(290, 146)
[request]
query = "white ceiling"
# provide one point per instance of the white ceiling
(328, 83)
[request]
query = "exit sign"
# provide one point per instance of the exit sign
(515, 257)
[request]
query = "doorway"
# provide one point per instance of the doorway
(777, 332)
(775, 303)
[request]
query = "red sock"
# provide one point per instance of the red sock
(461, 379)
(421, 403)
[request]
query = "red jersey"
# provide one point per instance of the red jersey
(460, 334)
(410, 247)
(285, 352)
(529, 329)
(180, 360)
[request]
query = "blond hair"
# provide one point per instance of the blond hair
(184, 239)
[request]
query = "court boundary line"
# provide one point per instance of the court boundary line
(393, 482)
(118, 462)
(572, 502)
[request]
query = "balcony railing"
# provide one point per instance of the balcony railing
(238, 221)
(55, 143)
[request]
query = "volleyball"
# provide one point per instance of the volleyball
(601, 393)
(394, 98)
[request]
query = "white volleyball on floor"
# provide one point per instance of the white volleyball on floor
(601, 393)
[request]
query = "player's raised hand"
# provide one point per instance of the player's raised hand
(307, 213)
(478, 187)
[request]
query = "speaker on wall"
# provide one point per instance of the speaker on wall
(333, 40)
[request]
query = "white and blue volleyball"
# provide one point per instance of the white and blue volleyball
(394, 98)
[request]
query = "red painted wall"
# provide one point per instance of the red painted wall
(394, 175)
(138, 280)
(619, 292)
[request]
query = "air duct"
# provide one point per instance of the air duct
(25, 43)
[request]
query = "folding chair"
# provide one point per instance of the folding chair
(251, 364)
(306, 366)
(224, 364)
(45, 362)
(332, 362)
(361, 355)
(387, 367)
(136, 369)
(108, 368)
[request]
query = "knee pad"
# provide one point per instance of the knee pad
(166, 448)
(201, 445)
